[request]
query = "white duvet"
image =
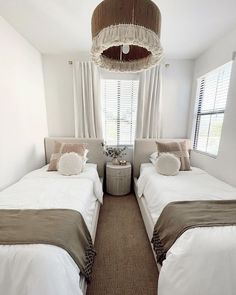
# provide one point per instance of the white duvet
(44, 269)
(203, 260)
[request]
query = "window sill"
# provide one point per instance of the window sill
(205, 154)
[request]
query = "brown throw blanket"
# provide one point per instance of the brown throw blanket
(59, 227)
(177, 217)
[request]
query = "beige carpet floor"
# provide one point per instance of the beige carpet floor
(124, 263)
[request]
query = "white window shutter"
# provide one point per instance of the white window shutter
(119, 100)
(212, 98)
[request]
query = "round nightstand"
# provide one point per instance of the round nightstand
(118, 179)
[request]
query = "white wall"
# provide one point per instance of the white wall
(224, 165)
(177, 84)
(177, 79)
(58, 79)
(23, 123)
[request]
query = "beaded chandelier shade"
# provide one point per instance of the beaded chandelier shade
(126, 35)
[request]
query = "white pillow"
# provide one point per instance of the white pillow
(168, 164)
(85, 160)
(85, 154)
(153, 158)
(70, 164)
(153, 161)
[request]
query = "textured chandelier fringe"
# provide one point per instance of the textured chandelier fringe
(129, 34)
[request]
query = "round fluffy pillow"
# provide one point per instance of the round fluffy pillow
(70, 164)
(167, 164)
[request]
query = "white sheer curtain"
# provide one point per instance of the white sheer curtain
(87, 101)
(149, 103)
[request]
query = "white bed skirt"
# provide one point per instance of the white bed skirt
(147, 219)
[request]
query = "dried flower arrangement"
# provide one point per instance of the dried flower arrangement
(114, 152)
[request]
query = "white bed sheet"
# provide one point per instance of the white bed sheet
(45, 269)
(203, 260)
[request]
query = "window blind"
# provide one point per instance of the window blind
(119, 103)
(212, 98)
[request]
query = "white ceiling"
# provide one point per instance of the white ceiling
(63, 26)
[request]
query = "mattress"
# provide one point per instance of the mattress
(46, 269)
(203, 260)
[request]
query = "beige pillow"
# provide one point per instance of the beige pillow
(54, 161)
(78, 148)
(57, 147)
(61, 148)
(179, 149)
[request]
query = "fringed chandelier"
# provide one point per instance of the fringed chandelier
(126, 35)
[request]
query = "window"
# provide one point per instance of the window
(119, 103)
(212, 97)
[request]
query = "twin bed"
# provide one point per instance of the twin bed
(47, 269)
(202, 261)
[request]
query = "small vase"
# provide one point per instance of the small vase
(115, 161)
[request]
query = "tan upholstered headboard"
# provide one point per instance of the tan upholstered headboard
(95, 154)
(143, 148)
